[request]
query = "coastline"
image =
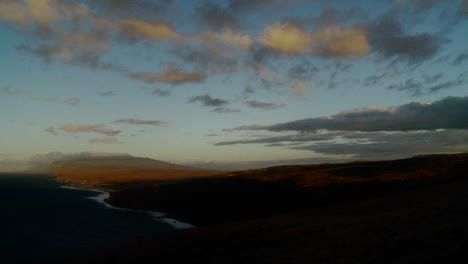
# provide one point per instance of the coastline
(157, 216)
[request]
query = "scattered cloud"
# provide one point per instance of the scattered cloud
(134, 121)
(396, 145)
(334, 42)
(245, 128)
(171, 75)
(161, 92)
(51, 130)
(448, 113)
(417, 88)
(135, 30)
(305, 137)
(8, 90)
(265, 106)
(108, 93)
(70, 128)
(387, 36)
(207, 100)
(461, 58)
(106, 140)
(72, 101)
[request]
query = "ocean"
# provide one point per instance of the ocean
(40, 220)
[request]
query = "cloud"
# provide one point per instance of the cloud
(265, 106)
(42, 14)
(396, 145)
(161, 92)
(108, 93)
(330, 41)
(134, 121)
(171, 75)
(8, 90)
(286, 39)
(51, 130)
(299, 87)
(225, 110)
(72, 101)
(124, 9)
(416, 88)
(223, 42)
(387, 37)
(106, 140)
(461, 58)
(70, 128)
(246, 127)
(305, 137)
(135, 30)
(207, 100)
(448, 113)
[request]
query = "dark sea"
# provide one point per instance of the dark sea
(41, 221)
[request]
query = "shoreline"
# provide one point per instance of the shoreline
(157, 216)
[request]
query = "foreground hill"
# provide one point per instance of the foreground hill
(261, 193)
(363, 213)
(122, 170)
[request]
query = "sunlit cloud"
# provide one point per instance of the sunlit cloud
(101, 129)
(106, 140)
(172, 75)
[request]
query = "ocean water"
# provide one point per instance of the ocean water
(41, 221)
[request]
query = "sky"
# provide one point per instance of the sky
(232, 83)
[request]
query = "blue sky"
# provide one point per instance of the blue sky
(209, 82)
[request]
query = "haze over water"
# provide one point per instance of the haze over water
(42, 221)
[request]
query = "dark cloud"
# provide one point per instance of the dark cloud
(245, 128)
(434, 78)
(217, 17)
(416, 88)
(207, 100)
(229, 16)
(396, 145)
(411, 86)
(461, 58)
(303, 70)
(51, 53)
(387, 36)
(305, 137)
(448, 113)
(248, 90)
(135, 121)
(264, 105)
(161, 92)
(336, 17)
(144, 9)
(225, 110)
(51, 130)
(207, 60)
(374, 79)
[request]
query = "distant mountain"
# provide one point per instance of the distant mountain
(122, 169)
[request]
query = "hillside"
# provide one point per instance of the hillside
(121, 171)
(401, 211)
(261, 193)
